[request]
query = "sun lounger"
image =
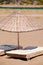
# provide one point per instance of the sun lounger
(1, 52)
(26, 53)
(4, 48)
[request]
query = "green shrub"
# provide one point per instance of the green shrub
(26, 1)
(1, 1)
(40, 2)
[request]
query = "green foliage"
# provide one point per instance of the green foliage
(8, 1)
(26, 1)
(1, 1)
(40, 2)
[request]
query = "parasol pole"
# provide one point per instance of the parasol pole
(18, 33)
(18, 39)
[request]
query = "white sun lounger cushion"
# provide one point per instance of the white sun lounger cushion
(25, 53)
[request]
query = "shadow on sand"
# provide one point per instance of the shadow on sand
(24, 59)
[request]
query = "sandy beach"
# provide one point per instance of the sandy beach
(31, 38)
(34, 38)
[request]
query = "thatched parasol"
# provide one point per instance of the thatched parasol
(18, 21)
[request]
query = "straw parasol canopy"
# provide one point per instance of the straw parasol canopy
(19, 21)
